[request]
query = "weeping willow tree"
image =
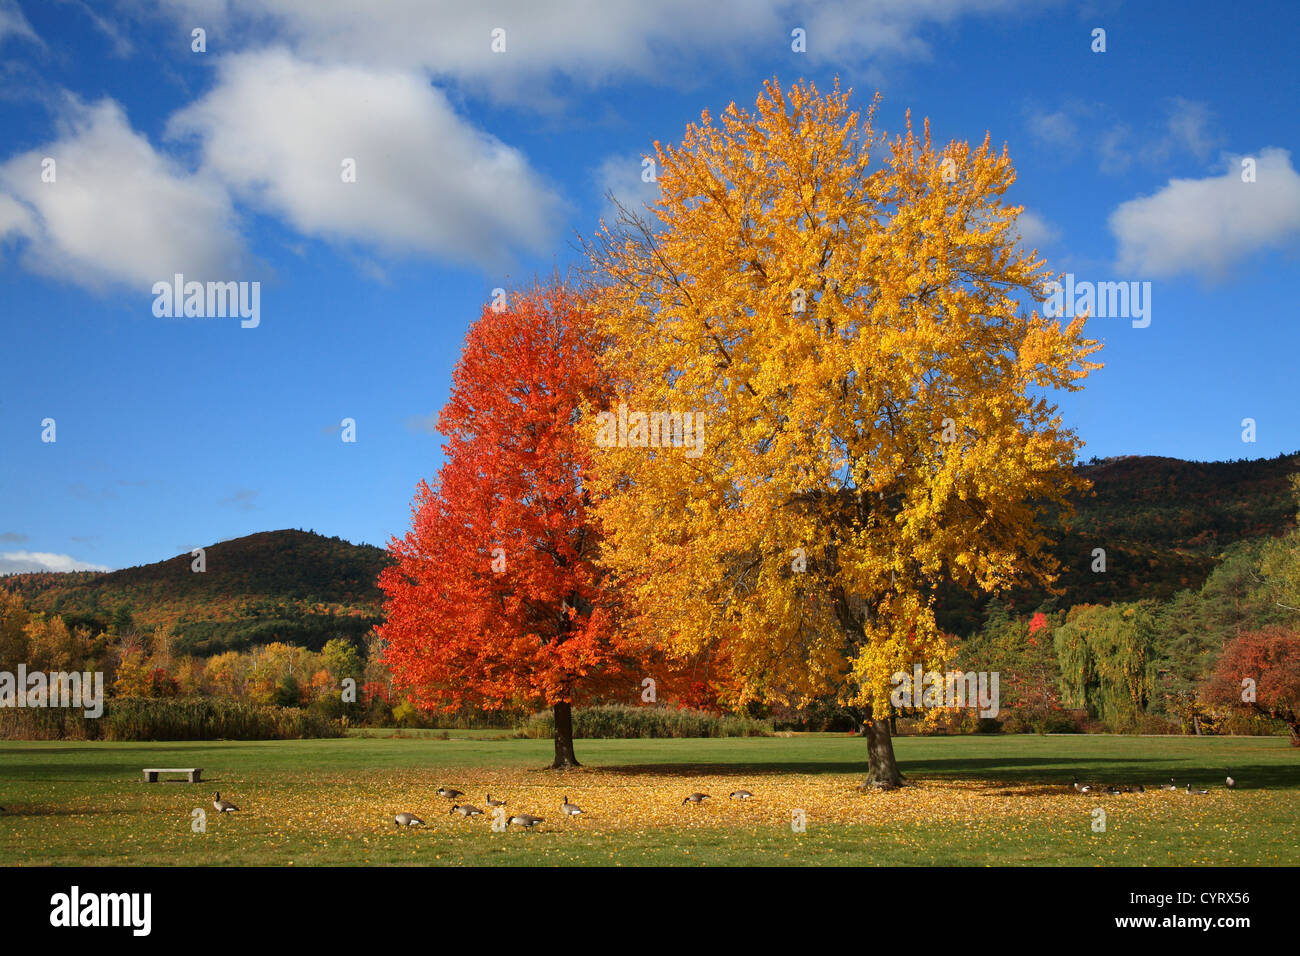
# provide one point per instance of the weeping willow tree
(1280, 565)
(1107, 656)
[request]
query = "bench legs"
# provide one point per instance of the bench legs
(194, 776)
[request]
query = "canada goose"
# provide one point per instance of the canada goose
(223, 806)
(450, 793)
(570, 809)
(1137, 788)
(1232, 784)
(466, 810)
(1113, 789)
(525, 820)
(494, 803)
(1190, 791)
(1082, 787)
(739, 795)
(407, 820)
(1170, 785)
(696, 798)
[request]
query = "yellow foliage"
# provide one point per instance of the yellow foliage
(872, 393)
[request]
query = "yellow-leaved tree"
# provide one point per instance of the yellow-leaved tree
(873, 399)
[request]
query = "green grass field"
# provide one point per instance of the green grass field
(973, 800)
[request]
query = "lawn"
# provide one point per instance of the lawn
(973, 800)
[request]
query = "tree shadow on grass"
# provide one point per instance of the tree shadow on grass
(21, 810)
(1052, 772)
(63, 763)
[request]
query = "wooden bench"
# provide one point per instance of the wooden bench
(151, 773)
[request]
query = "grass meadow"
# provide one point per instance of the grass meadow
(988, 800)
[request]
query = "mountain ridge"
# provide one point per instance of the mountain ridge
(1162, 521)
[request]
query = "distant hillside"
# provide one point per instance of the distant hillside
(275, 585)
(1162, 521)
(1187, 505)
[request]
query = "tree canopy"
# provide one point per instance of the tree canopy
(872, 390)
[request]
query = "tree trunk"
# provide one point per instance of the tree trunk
(564, 737)
(882, 767)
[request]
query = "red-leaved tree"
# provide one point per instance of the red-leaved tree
(1260, 671)
(495, 598)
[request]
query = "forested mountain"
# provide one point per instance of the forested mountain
(1164, 524)
(291, 586)
(1197, 507)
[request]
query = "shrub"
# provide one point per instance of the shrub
(194, 718)
(1037, 720)
(45, 723)
(621, 721)
(475, 718)
(1240, 723)
(211, 718)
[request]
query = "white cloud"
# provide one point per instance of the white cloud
(1206, 225)
(1057, 129)
(1114, 155)
(1185, 131)
(120, 42)
(14, 24)
(277, 129)
(317, 82)
(1035, 231)
(117, 211)
(1187, 128)
(16, 220)
(621, 175)
(15, 562)
(586, 41)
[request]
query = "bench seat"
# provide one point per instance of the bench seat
(192, 773)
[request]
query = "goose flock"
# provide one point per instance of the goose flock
(1230, 782)
(527, 821)
(524, 820)
(570, 810)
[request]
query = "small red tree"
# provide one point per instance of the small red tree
(495, 598)
(1260, 671)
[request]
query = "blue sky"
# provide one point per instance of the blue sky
(476, 169)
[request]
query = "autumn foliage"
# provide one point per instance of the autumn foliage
(1260, 671)
(871, 385)
(495, 598)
